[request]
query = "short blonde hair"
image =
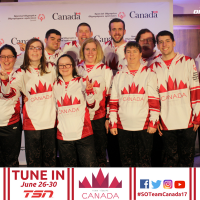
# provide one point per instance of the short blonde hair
(99, 49)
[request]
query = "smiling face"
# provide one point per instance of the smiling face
(83, 34)
(133, 56)
(7, 60)
(90, 53)
(146, 42)
(166, 46)
(52, 42)
(65, 67)
(35, 52)
(117, 32)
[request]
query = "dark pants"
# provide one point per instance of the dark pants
(157, 151)
(179, 147)
(113, 150)
(10, 143)
(82, 150)
(100, 141)
(135, 148)
(40, 148)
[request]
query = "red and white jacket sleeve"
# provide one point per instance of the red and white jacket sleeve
(153, 100)
(114, 103)
(108, 79)
(16, 83)
(194, 92)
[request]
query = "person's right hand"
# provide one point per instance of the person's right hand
(22, 46)
(3, 74)
(113, 131)
(159, 129)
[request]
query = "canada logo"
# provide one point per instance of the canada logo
(40, 89)
(67, 101)
(100, 182)
(1, 42)
(121, 15)
(132, 89)
(41, 17)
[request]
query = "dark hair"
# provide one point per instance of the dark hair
(11, 48)
(142, 31)
(74, 72)
(84, 24)
(116, 20)
(132, 44)
(52, 31)
(164, 33)
(26, 63)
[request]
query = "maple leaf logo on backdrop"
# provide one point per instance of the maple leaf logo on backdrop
(100, 182)
(40, 89)
(67, 101)
(133, 90)
(172, 85)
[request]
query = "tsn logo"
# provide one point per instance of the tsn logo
(38, 193)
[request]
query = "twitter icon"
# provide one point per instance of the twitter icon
(156, 184)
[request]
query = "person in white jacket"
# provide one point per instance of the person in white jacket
(101, 76)
(35, 80)
(134, 109)
(178, 86)
(10, 119)
(74, 95)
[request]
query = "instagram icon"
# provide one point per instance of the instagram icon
(167, 184)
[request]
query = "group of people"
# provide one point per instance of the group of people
(88, 100)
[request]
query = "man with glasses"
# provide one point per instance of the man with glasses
(114, 49)
(147, 41)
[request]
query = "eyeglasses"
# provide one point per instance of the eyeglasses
(4, 57)
(65, 66)
(149, 40)
(33, 48)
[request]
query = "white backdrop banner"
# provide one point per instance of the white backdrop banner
(20, 22)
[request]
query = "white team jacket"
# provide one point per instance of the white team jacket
(101, 75)
(152, 59)
(114, 56)
(134, 102)
(72, 112)
(10, 107)
(39, 112)
(179, 92)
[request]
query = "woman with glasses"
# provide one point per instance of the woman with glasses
(134, 109)
(74, 95)
(101, 76)
(10, 120)
(35, 80)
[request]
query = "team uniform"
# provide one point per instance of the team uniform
(10, 128)
(101, 76)
(74, 129)
(72, 49)
(149, 61)
(114, 56)
(179, 89)
(134, 106)
(39, 113)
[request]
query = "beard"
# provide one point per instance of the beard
(117, 41)
(147, 51)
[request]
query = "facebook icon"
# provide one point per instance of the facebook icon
(144, 183)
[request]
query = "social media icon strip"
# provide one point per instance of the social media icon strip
(167, 184)
(156, 184)
(144, 183)
(179, 184)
